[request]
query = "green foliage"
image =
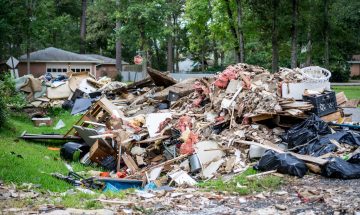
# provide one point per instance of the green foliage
(119, 77)
(8, 97)
(199, 29)
(339, 72)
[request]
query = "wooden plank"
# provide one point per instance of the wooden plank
(160, 78)
(332, 117)
(277, 149)
(341, 98)
(130, 163)
(352, 103)
(261, 117)
(150, 140)
(166, 163)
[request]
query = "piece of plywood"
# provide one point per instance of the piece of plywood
(352, 103)
(261, 117)
(160, 78)
(332, 117)
(341, 98)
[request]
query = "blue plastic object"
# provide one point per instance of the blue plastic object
(117, 186)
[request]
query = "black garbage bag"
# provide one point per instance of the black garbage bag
(355, 158)
(68, 105)
(339, 168)
(306, 131)
(322, 145)
(284, 163)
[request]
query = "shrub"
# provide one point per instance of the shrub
(9, 97)
(339, 72)
(119, 77)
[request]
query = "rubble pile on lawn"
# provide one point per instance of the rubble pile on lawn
(160, 132)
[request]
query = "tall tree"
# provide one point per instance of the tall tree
(118, 40)
(170, 46)
(83, 26)
(274, 37)
(240, 31)
(326, 33)
(294, 33)
(233, 31)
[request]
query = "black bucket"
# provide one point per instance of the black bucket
(68, 149)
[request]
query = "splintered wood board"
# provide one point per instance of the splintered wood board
(332, 117)
(341, 98)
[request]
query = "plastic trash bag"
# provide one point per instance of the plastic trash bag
(322, 145)
(355, 158)
(283, 163)
(306, 131)
(339, 168)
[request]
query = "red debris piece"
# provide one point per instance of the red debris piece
(188, 146)
(223, 79)
(183, 123)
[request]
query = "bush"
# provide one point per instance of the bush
(339, 72)
(119, 77)
(9, 97)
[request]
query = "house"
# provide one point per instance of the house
(355, 65)
(57, 61)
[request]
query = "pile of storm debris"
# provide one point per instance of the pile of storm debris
(158, 131)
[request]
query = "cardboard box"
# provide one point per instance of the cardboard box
(42, 121)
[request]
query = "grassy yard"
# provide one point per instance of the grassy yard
(33, 162)
(351, 92)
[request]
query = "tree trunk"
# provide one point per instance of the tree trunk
(28, 55)
(28, 36)
(294, 34)
(118, 42)
(274, 38)
(233, 31)
(241, 34)
(170, 50)
(202, 59)
(83, 26)
(222, 58)
(177, 69)
(326, 32)
(216, 54)
(157, 53)
(309, 47)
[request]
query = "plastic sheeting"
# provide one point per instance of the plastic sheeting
(322, 145)
(306, 131)
(284, 163)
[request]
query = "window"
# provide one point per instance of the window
(56, 69)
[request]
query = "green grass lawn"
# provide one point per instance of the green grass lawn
(351, 92)
(32, 162)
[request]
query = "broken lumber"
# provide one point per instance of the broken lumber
(160, 78)
(261, 174)
(306, 158)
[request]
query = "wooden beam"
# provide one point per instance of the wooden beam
(306, 158)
